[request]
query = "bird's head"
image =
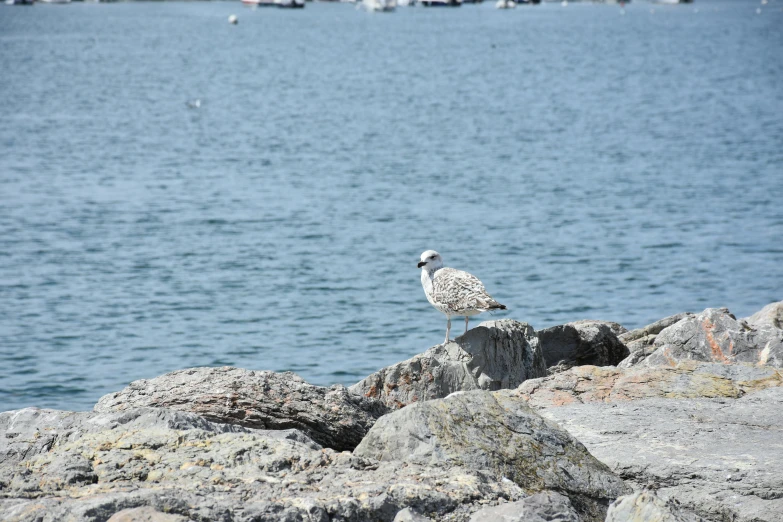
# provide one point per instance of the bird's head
(430, 260)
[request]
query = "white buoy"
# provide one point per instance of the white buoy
(233, 20)
(564, 3)
(758, 10)
(763, 2)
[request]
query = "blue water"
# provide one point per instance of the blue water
(582, 163)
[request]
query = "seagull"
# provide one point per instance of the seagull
(453, 292)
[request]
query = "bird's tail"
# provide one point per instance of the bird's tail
(494, 305)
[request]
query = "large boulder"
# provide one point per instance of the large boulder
(145, 514)
(720, 458)
(499, 433)
(640, 341)
(492, 356)
(32, 431)
(94, 466)
(582, 342)
(647, 506)
(716, 335)
(688, 379)
(771, 316)
(333, 417)
(410, 515)
(545, 506)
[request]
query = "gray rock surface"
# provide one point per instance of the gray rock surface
(93, 465)
(333, 417)
(31, 431)
(652, 329)
(492, 356)
(771, 316)
(145, 514)
(688, 379)
(545, 506)
(721, 458)
(499, 433)
(716, 335)
(410, 515)
(647, 506)
(640, 341)
(582, 342)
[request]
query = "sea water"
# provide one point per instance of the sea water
(176, 191)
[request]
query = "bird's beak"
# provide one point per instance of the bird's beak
(421, 264)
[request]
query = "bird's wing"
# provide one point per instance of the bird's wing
(460, 290)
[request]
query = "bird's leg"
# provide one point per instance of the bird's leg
(466, 324)
(448, 329)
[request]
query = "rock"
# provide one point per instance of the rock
(410, 515)
(582, 342)
(771, 316)
(716, 335)
(720, 458)
(546, 506)
(145, 514)
(640, 341)
(499, 433)
(179, 464)
(688, 379)
(646, 506)
(491, 356)
(32, 431)
(652, 329)
(256, 399)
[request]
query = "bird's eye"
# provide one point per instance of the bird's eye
(431, 257)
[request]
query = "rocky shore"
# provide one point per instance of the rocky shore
(679, 421)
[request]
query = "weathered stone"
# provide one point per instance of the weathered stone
(652, 329)
(688, 379)
(545, 506)
(616, 328)
(640, 341)
(646, 506)
(720, 458)
(332, 416)
(32, 431)
(180, 464)
(499, 433)
(492, 356)
(410, 515)
(639, 351)
(771, 316)
(582, 342)
(145, 514)
(716, 335)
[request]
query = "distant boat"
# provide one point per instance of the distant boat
(472, 1)
(19, 2)
(56, 1)
(441, 3)
(505, 4)
(260, 3)
(290, 4)
(380, 5)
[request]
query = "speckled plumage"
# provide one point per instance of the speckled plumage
(456, 292)
(453, 292)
